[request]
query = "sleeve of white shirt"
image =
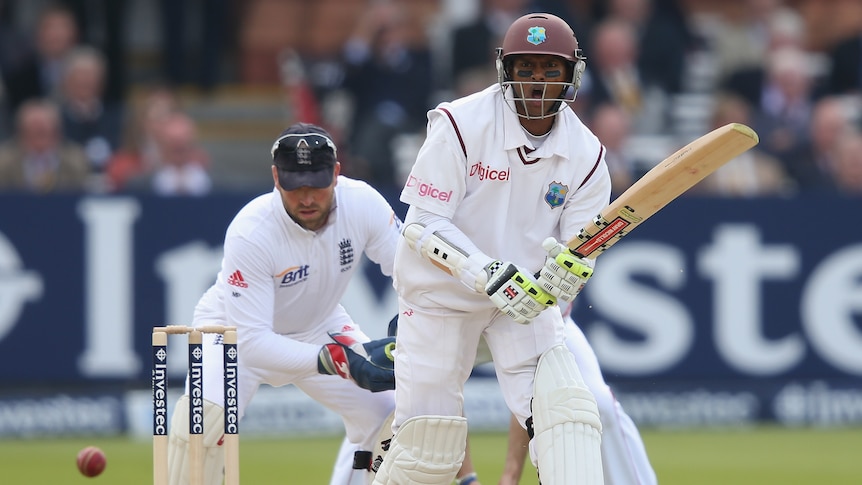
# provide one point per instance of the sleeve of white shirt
(443, 227)
(251, 310)
(384, 229)
(438, 179)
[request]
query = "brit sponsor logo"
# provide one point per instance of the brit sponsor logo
(485, 172)
(293, 275)
(428, 190)
(556, 194)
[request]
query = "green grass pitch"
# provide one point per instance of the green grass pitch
(755, 456)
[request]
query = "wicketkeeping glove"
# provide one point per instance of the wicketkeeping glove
(370, 365)
(564, 274)
(515, 292)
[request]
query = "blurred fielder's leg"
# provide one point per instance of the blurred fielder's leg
(624, 456)
(179, 462)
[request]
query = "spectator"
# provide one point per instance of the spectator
(182, 167)
(38, 159)
(743, 36)
(847, 167)
(612, 125)
(87, 119)
(473, 44)
(140, 153)
(784, 31)
(844, 75)
(782, 95)
(103, 24)
(812, 163)
(11, 55)
(180, 53)
(613, 75)
(755, 172)
(38, 73)
(389, 81)
(664, 40)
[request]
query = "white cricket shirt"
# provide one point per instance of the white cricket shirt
(478, 168)
(280, 284)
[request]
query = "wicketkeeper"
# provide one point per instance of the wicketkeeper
(289, 256)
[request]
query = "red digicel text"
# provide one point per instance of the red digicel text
(486, 173)
(428, 190)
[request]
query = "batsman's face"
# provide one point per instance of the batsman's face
(308, 206)
(539, 80)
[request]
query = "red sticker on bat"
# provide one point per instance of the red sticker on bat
(615, 227)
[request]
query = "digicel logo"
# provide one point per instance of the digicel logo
(486, 173)
(428, 190)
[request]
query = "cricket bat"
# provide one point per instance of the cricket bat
(661, 185)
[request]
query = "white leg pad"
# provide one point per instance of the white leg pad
(426, 450)
(567, 430)
(178, 444)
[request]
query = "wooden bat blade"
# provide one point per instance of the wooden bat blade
(662, 184)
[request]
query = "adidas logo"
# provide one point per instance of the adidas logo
(236, 280)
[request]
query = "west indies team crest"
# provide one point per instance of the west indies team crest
(536, 35)
(556, 194)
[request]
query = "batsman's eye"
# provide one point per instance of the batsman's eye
(524, 73)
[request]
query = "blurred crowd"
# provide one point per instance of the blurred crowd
(654, 72)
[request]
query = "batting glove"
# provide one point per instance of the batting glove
(370, 365)
(564, 274)
(515, 292)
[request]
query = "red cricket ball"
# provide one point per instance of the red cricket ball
(91, 461)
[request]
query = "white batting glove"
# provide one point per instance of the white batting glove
(515, 292)
(564, 274)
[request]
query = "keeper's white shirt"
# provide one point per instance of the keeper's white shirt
(281, 284)
(479, 169)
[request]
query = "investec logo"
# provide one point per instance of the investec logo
(487, 173)
(160, 405)
(428, 190)
(196, 411)
(231, 403)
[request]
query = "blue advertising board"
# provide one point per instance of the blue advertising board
(720, 296)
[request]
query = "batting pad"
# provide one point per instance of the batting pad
(567, 431)
(426, 450)
(178, 444)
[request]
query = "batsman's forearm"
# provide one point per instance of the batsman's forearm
(450, 250)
